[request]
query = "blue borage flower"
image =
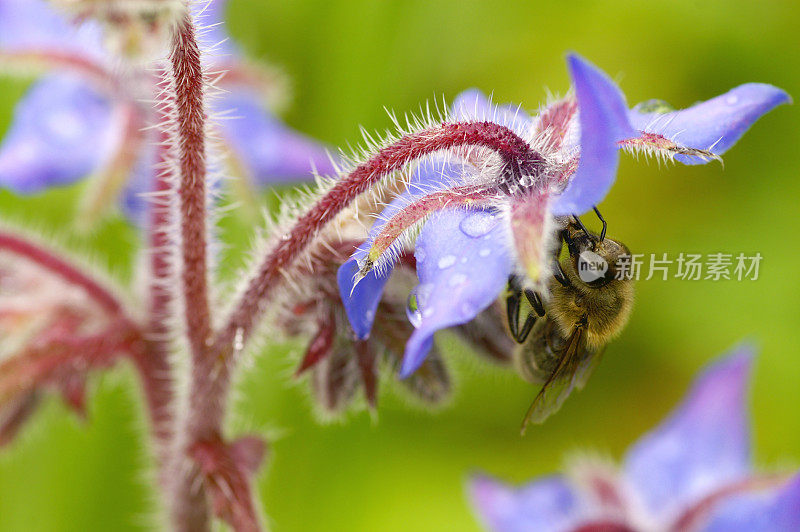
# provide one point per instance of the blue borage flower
(88, 114)
(693, 472)
(478, 233)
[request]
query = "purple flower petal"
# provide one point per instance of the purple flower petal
(773, 511)
(472, 104)
(33, 24)
(210, 17)
(545, 505)
(135, 204)
(62, 130)
(361, 302)
(715, 124)
(704, 444)
(603, 121)
(270, 151)
(463, 263)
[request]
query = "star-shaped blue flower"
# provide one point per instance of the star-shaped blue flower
(87, 115)
(693, 472)
(471, 244)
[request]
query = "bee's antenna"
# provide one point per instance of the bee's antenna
(605, 225)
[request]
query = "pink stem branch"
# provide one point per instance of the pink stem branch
(210, 400)
(154, 365)
(188, 85)
(55, 59)
(189, 505)
(62, 268)
(396, 225)
(32, 368)
(516, 153)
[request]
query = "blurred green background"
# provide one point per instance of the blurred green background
(406, 469)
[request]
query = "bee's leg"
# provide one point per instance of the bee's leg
(535, 301)
(526, 328)
(582, 227)
(605, 225)
(560, 276)
(512, 311)
(512, 314)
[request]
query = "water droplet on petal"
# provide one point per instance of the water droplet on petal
(457, 279)
(485, 252)
(478, 223)
(420, 255)
(467, 310)
(732, 99)
(446, 261)
(417, 299)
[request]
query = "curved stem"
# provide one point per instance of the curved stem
(210, 394)
(48, 260)
(463, 196)
(515, 152)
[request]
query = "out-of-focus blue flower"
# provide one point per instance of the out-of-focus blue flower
(693, 472)
(88, 114)
(465, 254)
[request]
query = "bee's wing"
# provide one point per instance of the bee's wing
(573, 370)
(586, 368)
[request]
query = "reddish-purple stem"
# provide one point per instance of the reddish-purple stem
(426, 205)
(189, 505)
(62, 268)
(190, 117)
(515, 152)
(154, 365)
(210, 399)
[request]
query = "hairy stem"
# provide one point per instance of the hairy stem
(515, 152)
(190, 117)
(154, 365)
(48, 260)
(463, 196)
(189, 505)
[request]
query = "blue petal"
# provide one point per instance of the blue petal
(361, 302)
(463, 263)
(774, 511)
(704, 444)
(270, 151)
(472, 104)
(603, 118)
(544, 506)
(135, 204)
(210, 17)
(33, 24)
(62, 130)
(718, 122)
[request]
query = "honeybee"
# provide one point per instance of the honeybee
(562, 339)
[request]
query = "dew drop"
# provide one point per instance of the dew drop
(485, 252)
(446, 261)
(457, 279)
(732, 99)
(418, 299)
(420, 255)
(478, 224)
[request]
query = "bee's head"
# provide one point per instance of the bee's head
(597, 260)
